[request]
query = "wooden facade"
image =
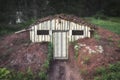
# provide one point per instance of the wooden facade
(60, 29)
(53, 25)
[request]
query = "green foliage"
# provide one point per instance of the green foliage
(46, 65)
(4, 73)
(101, 70)
(49, 57)
(96, 36)
(43, 75)
(83, 71)
(111, 24)
(112, 72)
(100, 15)
(86, 60)
(27, 23)
(17, 76)
(76, 48)
(119, 43)
(10, 28)
(30, 74)
(50, 52)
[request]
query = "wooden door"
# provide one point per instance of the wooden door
(60, 42)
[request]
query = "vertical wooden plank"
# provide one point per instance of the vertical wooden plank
(30, 33)
(63, 22)
(59, 44)
(83, 31)
(55, 45)
(35, 32)
(72, 28)
(67, 45)
(55, 24)
(66, 22)
(40, 37)
(44, 29)
(41, 29)
(86, 31)
(64, 44)
(43, 26)
(51, 35)
(89, 32)
(61, 25)
(77, 29)
(48, 28)
(32, 37)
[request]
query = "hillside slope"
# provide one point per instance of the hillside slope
(18, 53)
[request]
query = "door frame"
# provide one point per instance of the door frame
(67, 34)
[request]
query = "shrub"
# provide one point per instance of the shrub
(4, 73)
(119, 43)
(86, 60)
(83, 71)
(112, 72)
(96, 36)
(100, 15)
(76, 48)
(43, 75)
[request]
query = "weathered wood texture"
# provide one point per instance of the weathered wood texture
(58, 24)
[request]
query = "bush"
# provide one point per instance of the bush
(26, 24)
(100, 15)
(76, 48)
(4, 73)
(96, 36)
(43, 75)
(112, 72)
(10, 28)
(86, 60)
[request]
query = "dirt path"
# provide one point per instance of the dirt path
(60, 70)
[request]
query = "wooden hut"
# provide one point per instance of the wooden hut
(60, 29)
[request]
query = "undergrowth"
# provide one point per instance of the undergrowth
(6, 74)
(112, 72)
(97, 36)
(76, 48)
(11, 28)
(43, 73)
(111, 23)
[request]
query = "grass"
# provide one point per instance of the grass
(112, 24)
(76, 48)
(112, 72)
(96, 36)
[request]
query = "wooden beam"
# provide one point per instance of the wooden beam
(23, 30)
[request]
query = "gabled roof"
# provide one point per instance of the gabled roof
(71, 18)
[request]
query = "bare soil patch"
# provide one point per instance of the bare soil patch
(18, 53)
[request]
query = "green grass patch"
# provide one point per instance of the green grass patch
(112, 72)
(112, 24)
